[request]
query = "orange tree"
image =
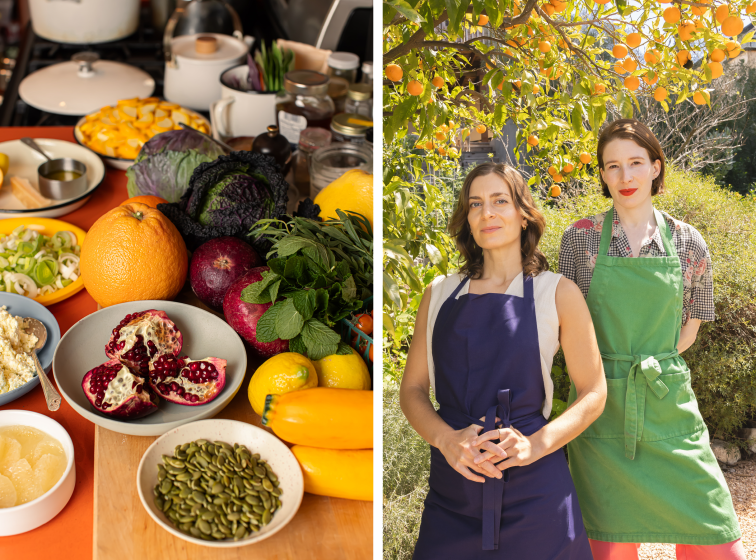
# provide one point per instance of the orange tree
(551, 68)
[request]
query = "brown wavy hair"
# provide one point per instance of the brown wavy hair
(533, 260)
(631, 129)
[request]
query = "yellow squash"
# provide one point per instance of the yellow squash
(322, 417)
(340, 473)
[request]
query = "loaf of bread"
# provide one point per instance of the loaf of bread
(26, 194)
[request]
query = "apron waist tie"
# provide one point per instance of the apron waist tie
(635, 397)
(493, 488)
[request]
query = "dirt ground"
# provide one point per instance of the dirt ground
(742, 482)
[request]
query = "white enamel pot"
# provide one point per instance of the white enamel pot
(241, 113)
(84, 21)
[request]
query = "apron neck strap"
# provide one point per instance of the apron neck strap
(527, 286)
(661, 223)
(458, 288)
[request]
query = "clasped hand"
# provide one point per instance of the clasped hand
(468, 450)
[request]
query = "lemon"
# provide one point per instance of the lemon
(281, 374)
(4, 163)
(343, 372)
(352, 191)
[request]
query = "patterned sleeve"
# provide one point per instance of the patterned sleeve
(701, 305)
(567, 262)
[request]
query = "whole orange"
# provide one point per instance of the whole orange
(148, 199)
(133, 252)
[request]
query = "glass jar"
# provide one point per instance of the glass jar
(303, 103)
(310, 139)
(328, 164)
(337, 91)
(349, 127)
(367, 74)
(358, 100)
(343, 65)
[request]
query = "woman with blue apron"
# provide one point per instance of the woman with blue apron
(488, 369)
(644, 471)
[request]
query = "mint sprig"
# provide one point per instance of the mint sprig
(320, 272)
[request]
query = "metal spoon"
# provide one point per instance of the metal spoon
(223, 145)
(35, 327)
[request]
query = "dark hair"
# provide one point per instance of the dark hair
(533, 260)
(631, 129)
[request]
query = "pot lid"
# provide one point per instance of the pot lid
(84, 85)
(208, 48)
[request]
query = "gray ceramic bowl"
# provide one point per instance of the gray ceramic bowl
(22, 306)
(83, 348)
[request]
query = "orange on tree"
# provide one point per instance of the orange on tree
(651, 81)
(438, 81)
(672, 14)
(633, 40)
(585, 157)
(732, 26)
(555, 190)
(619, 68)
(717, 55)
(699, 24)
(652, 56)
(686, 29)
(419, 146)
(536, 89)
(558, 178)
(683, 57)
(632, 83)
(619, 51)
(480, 129)
(721, 13)
(429, 145)
(548, 9)
(732, 48)
(751, 8)
(629, 64)
(394, 72)
(698, 11)
(148, 199)
(131, 253)
(444, 128)
(599, 89)
(483, 19)
(415, 88)
(552, 170)
(701, 97)
(716, 70)
(602, 1)
(442, 151)
(544, 46)
(660, 94)
(568, 168)
(440, 136)
(533, 140)
(558, 5)
(518, 83)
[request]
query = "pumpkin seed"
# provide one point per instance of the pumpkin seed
(205, 527)
(202, 461)
(252, 500)
(240, 533)
(199, 496)
(260, 472)
(183, 477)
(267, 484)
(225, 530)
(166, 486)
(266, 517)
(258, 509)
(276, 492)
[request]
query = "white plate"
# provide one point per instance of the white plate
(82, 348)
(271, 449)
(24, 162)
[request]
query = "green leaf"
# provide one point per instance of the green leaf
(319, 339)
(344, 349)
(273, 290)
(406, 10)
(295, 267)
(495, 15)
(277, 265)
(304, 303)
(297, 345)
(257, 291)
(266, 326)
(289, 321)
(349, 291)
(290, 245)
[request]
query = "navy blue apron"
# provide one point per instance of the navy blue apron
(487, 363)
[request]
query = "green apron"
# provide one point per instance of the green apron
(644, 471)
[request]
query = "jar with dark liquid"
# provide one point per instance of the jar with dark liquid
(303, 103)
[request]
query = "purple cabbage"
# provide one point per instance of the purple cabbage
(166, 163)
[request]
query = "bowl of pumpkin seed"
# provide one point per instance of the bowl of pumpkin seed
(220, 483)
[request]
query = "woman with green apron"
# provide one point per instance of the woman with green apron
(644, 471)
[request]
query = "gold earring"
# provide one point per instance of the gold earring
(524, 227)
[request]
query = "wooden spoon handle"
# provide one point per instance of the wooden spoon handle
(51, 395)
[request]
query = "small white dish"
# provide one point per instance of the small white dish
(257, 440)
(28, 516)
(24, 162)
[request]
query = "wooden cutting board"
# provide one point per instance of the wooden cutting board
(323, 527)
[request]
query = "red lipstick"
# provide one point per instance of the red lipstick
(627, 192)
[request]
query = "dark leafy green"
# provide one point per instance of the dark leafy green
(320, 272)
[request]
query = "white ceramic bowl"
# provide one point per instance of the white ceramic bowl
(28, 516)
(257, 440)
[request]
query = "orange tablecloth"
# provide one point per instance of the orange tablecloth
(69, 535)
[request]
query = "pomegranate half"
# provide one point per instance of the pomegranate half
(141, 337)
(117, 390)
(186, 381)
